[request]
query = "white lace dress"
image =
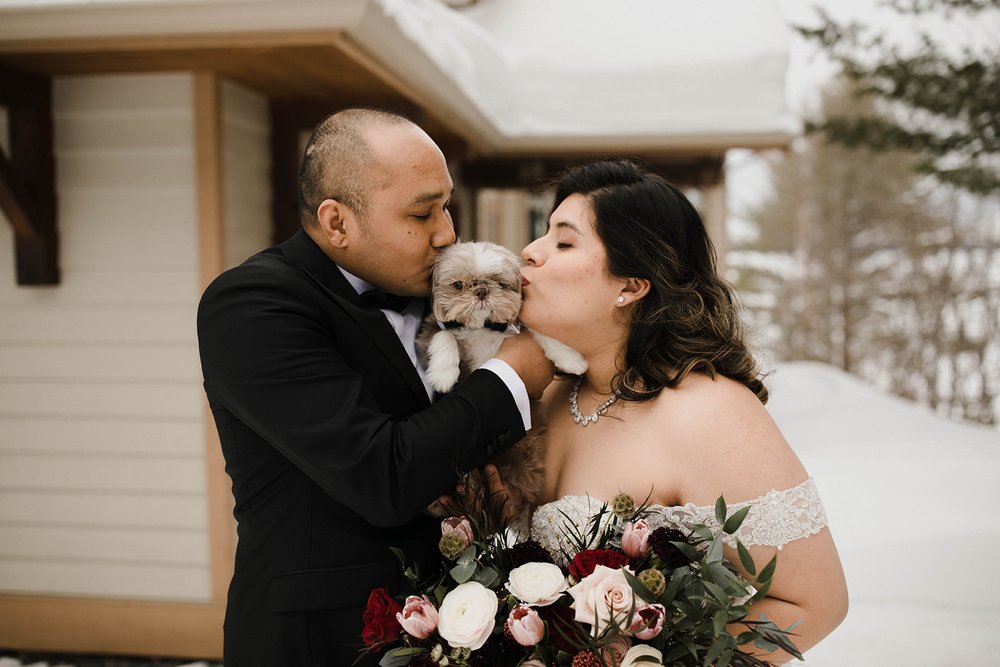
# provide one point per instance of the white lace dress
(775, 519)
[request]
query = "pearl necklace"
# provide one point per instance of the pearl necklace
(574, 408)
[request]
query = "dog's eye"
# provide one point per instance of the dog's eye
(458, 284)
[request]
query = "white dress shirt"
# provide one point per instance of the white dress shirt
(406, 324)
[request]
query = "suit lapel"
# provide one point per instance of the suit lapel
(303, 253)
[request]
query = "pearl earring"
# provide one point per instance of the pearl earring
(621, 300)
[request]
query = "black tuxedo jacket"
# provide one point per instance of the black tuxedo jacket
(333, 450)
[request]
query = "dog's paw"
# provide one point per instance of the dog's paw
(443, 362)
(442, 379)
(563, 356)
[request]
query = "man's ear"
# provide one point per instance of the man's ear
(635, 289)
(332, 216)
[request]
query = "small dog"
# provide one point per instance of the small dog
(476, 297)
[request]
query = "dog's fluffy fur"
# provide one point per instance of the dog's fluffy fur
(475, 284)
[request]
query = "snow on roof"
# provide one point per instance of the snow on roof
(589, 68)
(517, 74)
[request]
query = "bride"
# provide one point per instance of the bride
(672, 406)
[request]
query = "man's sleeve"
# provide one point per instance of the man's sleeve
(270, 360)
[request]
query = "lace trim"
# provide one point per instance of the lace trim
(775, 518)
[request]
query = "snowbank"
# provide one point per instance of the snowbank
(909, 497)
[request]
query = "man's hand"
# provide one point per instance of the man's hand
(523, 354)
(469, 495)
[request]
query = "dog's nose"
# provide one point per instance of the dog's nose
(482, 292)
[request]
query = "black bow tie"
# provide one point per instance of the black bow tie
(385, 301)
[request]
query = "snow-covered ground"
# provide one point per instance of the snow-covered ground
(911, 502)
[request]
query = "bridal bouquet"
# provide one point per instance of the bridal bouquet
(625, 595)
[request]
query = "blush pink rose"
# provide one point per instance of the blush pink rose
(635, 539)
(461, 526)
(419, 617)
(616, 648)
(648, 621)
(605, 597)
(525, 625)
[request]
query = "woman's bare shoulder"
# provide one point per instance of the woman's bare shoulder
(724, 434)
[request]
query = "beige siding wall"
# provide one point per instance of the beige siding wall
(246, 169)
(102, 475)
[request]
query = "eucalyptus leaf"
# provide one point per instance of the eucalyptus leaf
(714, 652)
(487, 576)
(719, 622)
(717, 592)
(768, 571)
(402, 655)
(468, 556)
(746, 560)
(462, 572)
(715, 550)
(735, 521)
(761, 591)
(720, 510)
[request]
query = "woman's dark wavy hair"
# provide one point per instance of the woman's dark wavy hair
(689, 320)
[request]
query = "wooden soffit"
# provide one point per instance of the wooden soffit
(286, 67)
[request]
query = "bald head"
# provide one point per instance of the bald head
(340, 162)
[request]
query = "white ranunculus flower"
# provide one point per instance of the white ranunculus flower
(538, 584)
(467, 615)
(632, 656)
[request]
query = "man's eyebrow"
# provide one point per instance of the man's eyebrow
(429, 197)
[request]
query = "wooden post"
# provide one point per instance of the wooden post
(28, 176)
(211, 242)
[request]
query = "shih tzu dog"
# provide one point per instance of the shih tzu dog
(476, 297)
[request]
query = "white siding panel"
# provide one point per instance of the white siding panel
(127, 401)
(84, 286)
(87, 473)
(160, 547)
(126, 95)
(125, 512)
(80, 363)
(102, 473)
(110, 170)
(87, 435)
(81, 132)
(96, 324)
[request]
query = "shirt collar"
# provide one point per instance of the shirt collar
(360, 285)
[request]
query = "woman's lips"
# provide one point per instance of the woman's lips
(525, 282)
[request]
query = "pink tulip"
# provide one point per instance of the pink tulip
(525, 625)
(460, 525)
(635, 539)
(647, 622)
(419, 617)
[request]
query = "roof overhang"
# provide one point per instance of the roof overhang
(428, 53)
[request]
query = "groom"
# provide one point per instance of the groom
(329, 434)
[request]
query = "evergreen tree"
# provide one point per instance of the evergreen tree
(941, 105)
(861, 265)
